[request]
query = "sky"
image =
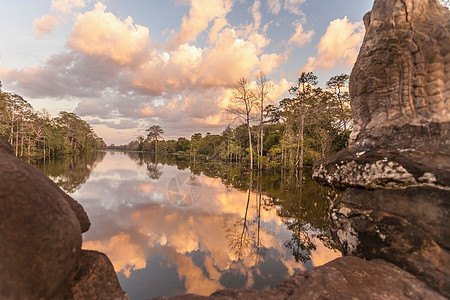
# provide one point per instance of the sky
(124, 66)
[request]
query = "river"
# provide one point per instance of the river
(172, 227)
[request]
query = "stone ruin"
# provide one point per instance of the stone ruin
(395, 172)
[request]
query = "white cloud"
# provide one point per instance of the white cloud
(339, 45)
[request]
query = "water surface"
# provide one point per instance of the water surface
(171, 227)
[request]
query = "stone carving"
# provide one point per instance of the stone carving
(40, 241)
(396, 170)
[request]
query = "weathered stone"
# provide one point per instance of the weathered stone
(79, 211)
(96, 279)
(40, 235)
(342, 278)
(396, 170)
(363, 227)
(382, 168)
(406, 42)
(40, 241)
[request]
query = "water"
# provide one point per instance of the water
(173, 227)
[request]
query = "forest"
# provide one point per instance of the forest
(35, 134)
(311, 124)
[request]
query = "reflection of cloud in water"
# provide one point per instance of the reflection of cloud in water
(124, 255)
(133, 218)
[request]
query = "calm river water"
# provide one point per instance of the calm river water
(173, 227)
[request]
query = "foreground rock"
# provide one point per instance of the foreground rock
(396, 170)
(40, 241)
(343, 278)
(91, 282)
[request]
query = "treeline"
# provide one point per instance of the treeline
(36, 134)
(313, 123)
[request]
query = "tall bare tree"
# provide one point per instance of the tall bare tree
(265, 86)
(241, 106)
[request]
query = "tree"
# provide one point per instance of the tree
(195, 141)
(303, 92)
(339, 85)
(265, 86)
(241, 106)
(154, 133)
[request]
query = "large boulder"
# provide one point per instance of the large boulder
(343, 278)
(40, 241)
(396, 171)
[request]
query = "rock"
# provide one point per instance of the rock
(399, 234)
(79, 211)
(40, 241)
(96, 279)
(343, 278)
(396, 170)
(400, 83)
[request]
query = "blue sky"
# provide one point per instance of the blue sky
(126, 65)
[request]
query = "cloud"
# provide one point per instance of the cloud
(300, 38)
(268, 62)
(124, 255)
(255, 9)
(230, 59)
(293, 6)
(112, 71)
(201, 14)
(274, 6)
(123, 123)
(100, 33)
(66, 6)
(44, 25)
(219, 24)
(339, 45)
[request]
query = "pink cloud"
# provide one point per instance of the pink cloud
(339, 45)
(274, 6)
(293, 6)
(300, 38)
(66, 6)
(44, 25)
(201, 14)
(100, 33)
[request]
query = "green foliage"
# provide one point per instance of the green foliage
(314, 123)
(34, 133)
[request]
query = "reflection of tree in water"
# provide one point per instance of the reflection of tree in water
(244, 234)
(305, 214)
(300, 202)
(154, 170)
(70, 172)
(144, 158)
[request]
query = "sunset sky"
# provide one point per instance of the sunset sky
(126, 65)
